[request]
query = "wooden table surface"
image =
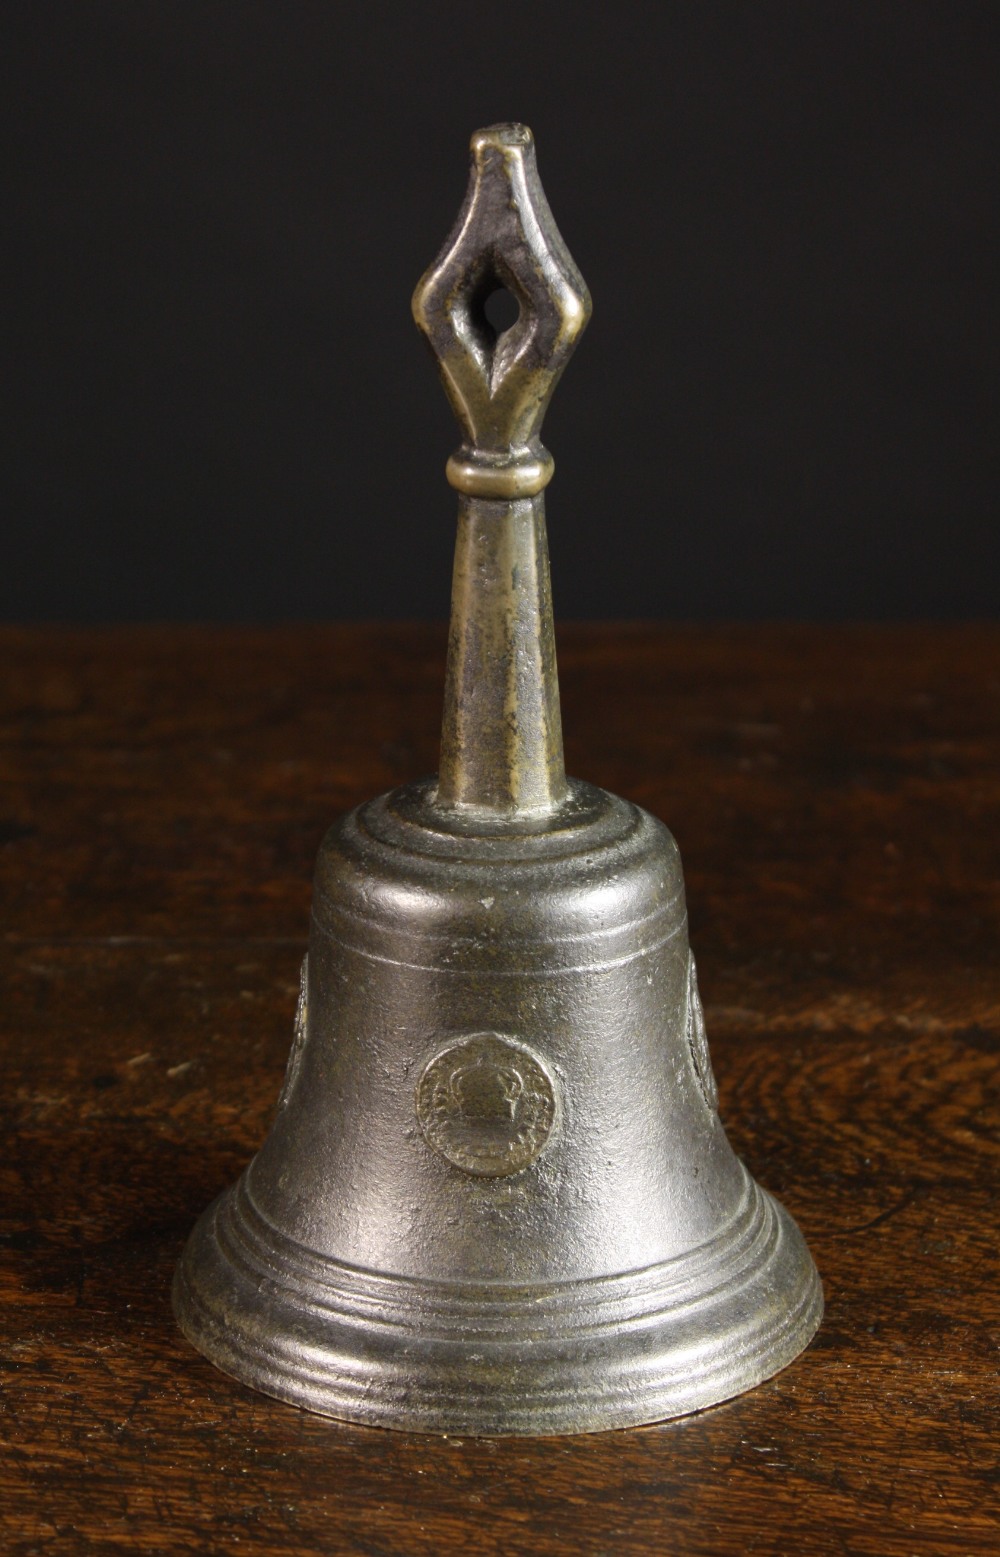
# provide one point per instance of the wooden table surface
(836, 796)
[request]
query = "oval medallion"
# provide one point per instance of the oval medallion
(299, 1031)
(698, 1040)
(487, 1105)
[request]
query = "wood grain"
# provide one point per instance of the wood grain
(836, 796)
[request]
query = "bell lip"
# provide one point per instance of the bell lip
(679, 1351)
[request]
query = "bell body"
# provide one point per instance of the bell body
(497, 1196)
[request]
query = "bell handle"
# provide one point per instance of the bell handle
(501, 742)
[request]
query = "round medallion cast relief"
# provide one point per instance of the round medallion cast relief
(487, 1105)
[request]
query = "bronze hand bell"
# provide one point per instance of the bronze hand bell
(497, 1196)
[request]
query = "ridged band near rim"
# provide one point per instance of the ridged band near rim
(580, 1356)
(459, 1311)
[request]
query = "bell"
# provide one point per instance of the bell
(497, 1197)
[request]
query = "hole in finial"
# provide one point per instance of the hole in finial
(502, 310)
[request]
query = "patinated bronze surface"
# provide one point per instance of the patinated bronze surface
(836, 793)
(497, 1197)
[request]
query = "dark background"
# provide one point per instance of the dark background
(217, 405)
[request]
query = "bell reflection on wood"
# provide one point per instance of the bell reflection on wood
(497, 1196)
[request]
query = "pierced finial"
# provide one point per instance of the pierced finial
(501, 742)
(500, 386)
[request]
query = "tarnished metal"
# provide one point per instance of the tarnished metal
(501, 739)
(497, 1196)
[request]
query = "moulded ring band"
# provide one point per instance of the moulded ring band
(509, 479)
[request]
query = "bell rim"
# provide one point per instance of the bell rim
(612, 1353)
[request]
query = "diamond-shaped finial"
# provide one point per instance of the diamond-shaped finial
(500, 385)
